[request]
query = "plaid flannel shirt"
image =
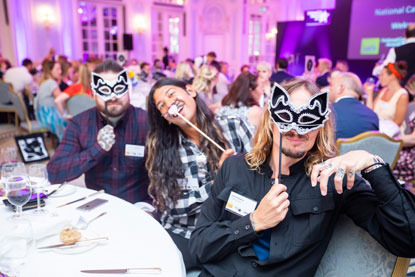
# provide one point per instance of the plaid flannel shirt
(79, 152)
(181, 218)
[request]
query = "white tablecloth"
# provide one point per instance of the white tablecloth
(135, 240)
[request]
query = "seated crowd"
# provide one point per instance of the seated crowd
(244, 204)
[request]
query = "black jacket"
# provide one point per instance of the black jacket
(223, 241)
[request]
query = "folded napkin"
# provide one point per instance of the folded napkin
(16, 237)
(47, 225)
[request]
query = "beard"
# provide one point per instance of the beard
(294, 154)
(116, 111)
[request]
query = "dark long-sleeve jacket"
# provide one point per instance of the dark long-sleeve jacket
(223, 240)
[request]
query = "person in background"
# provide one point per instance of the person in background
(281, 74)
(67, 70)
(352, 117)
(224, 69)
(158, 70)
(204, 84)
(342, 66)
(145, 72)
(184, 72)
(47, 112)
(245, 68)
(392, 101)
(181, 163)
(323, 68)
(83, 86)
(4, 66)
(166, 57)
(21, 80)
(401, 53)
(264, 70)
(243, 100)
(106, 143)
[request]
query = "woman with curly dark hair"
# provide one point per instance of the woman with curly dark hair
(181, 163)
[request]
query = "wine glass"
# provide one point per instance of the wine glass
(7, 155)
(38, 176)
(18, 189)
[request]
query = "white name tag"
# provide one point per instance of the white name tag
(134, 150)
(239, 204)
(188, 184)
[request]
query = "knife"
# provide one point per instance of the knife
(70, 244)
(138, 270)
(80, 199)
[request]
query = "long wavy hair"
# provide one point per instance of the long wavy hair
(324, 147)
(241, 91)
(163, 142)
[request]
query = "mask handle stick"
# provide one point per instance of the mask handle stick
(106, 113)
(279, 160)
(173, 111)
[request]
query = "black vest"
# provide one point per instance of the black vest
(406, 53)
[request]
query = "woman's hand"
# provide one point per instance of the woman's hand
(346, 164)
(225, 155)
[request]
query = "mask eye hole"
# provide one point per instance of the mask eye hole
(307, 119)
(119, 89)
(284, 115)
(105, 90)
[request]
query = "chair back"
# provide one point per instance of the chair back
(79, 103)
(4, 93)
(375, 143)
(353, 252)
(19, 105)
(409, 112)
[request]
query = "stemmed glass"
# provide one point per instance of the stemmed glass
(38, 176)
(7, 155)
(18, 189)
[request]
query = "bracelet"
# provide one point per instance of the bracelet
(378, 162)
(251, 217)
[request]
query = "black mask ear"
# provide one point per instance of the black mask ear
(124, 76)
(95, 80)
(322, 100)
(277, 92)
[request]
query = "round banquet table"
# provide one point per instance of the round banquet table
(135, 240)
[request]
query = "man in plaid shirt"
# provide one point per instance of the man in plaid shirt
(182, 164)
(106, 143)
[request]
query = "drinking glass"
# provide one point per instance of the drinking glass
(38, 176)
(7, 155)
(18, 189)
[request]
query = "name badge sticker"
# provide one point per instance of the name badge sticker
(239, 204)
(132, 150)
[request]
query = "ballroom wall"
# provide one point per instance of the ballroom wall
(205, 25)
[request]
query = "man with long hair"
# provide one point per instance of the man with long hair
(106, 143)
(253, 225)
(181, 163)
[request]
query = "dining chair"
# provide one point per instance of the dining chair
(79, 103)
(375, 143)
(6, 105)
(353, 252)
(26, 124)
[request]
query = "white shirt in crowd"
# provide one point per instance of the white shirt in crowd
(19, 77)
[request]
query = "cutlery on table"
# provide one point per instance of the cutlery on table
(83, 224)
(138, 270)
(80, 199)
(55, 190)
(71, 244)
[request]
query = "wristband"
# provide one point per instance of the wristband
(251, 217)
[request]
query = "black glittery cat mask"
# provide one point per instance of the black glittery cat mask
(106, 89)
(303, 119)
